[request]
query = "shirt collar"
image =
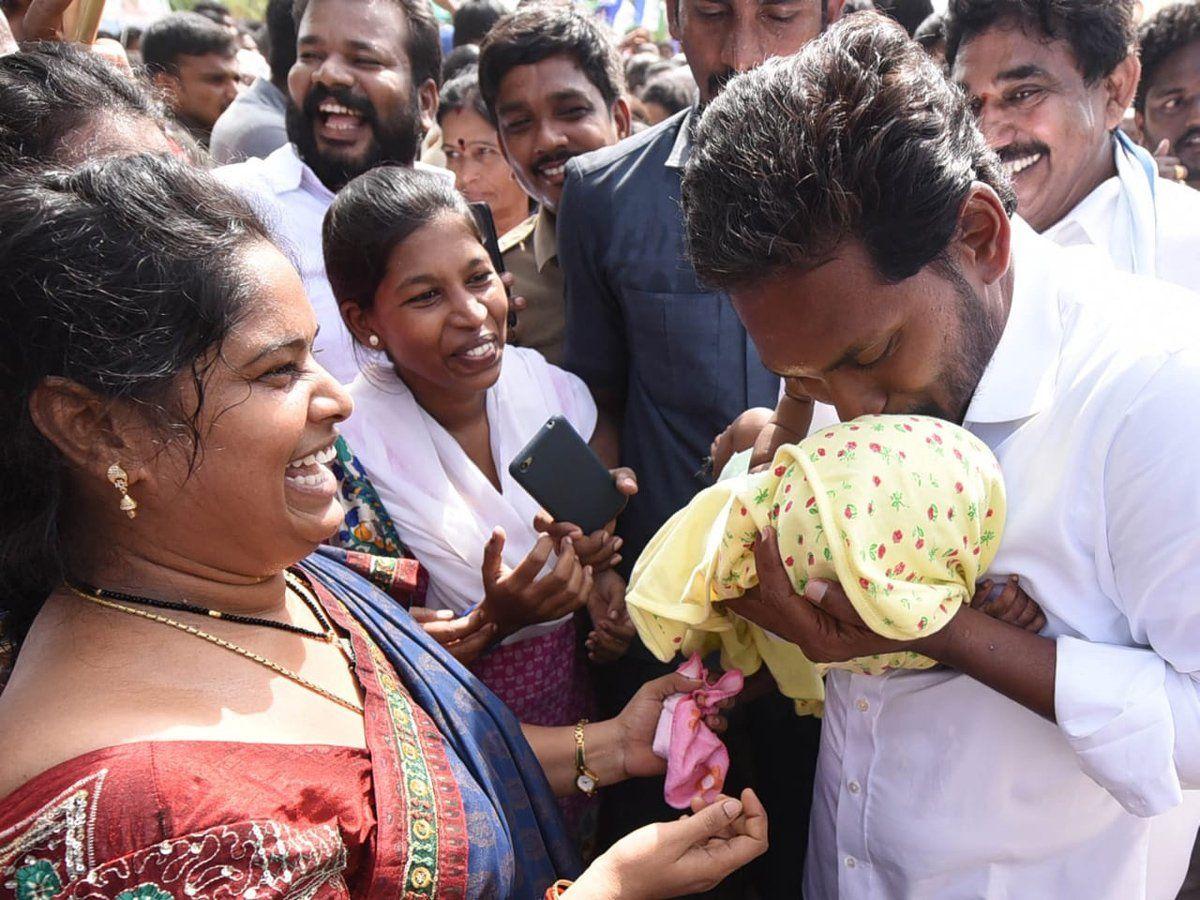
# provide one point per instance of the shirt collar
(545, 238)
(1019, 379)
(682, 148)
(285, 171)
(1092, 220)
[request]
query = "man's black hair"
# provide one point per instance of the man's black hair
(542, 30)
(859, 137)
(909, 13)
(424, 44)
(1099, 32)
(214, 11)
(674, 91)
(474, 19)
(281, 41)
(183, 34)
(931, 33)
(1171, 28)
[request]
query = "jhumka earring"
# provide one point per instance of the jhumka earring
(120, 480)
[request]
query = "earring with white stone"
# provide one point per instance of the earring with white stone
(373, 340)
(120, 480)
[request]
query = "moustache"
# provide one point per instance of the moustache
(1189, 136)
(344, 96)
(1020, 151)
(550, 159)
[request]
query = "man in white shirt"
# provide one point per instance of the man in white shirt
(870, 252)
(1050, 86)
(1168, 96)
(364, 90)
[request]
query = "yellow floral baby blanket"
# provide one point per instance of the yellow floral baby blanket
(906, 512)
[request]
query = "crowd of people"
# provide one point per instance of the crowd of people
(882, 320)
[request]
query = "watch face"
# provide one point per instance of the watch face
(586, 783)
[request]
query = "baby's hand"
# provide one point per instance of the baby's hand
(1009, 603)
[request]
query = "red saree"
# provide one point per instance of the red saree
(189, 819)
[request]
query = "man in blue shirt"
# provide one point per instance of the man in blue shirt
(667, 360)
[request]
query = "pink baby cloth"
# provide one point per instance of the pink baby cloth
(696, 759)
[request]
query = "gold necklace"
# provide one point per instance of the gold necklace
(220, 642)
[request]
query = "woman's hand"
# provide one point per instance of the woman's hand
(636, 723)
(670, 859)
(515, 598)
(598, 549)
(612, 631)
(464, 637)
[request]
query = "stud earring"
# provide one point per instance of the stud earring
(120, 480)
(373, 340)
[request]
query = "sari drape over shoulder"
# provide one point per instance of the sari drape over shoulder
(447, 801)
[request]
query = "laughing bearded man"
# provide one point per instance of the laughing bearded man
(363, 92)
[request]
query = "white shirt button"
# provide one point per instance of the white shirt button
(862, 704)
(854, 787)
(851, 862)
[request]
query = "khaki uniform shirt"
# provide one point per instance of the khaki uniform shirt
(531, 253)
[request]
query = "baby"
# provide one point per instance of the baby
(906, 512)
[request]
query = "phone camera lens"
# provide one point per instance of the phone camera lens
(526, 463)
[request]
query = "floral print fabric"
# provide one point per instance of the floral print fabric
(906, 512)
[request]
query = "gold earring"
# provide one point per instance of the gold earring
(120, 480)
(373, 340)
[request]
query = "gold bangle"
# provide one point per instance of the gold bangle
(585, 778)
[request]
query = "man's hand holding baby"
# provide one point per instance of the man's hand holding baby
(825, 625)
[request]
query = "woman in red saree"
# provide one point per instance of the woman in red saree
(194, 712)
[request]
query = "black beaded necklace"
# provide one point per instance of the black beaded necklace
(327, 634)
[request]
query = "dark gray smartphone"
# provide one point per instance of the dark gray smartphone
(560, 471)
(491, 242)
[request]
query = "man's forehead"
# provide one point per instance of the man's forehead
(207, 62)
(1009, 51)
(371, 23)
(1180, 69)
(809, 320)
(559, 73)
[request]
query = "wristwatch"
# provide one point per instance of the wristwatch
(585, 778)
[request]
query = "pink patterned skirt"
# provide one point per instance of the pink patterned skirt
(544, 680)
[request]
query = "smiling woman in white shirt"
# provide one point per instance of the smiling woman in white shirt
(1028, 765)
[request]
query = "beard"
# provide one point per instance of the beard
(978, 335)
(394, 141)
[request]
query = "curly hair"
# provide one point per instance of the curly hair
(122, 275)
(1099, 32)
(1170, 29)
(859, 136)
(542, 30)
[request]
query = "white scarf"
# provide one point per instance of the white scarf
(1138, 174)
(444, 508)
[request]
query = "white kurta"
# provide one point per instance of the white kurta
(1142, 227)
(444, 508)
(931, 785)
